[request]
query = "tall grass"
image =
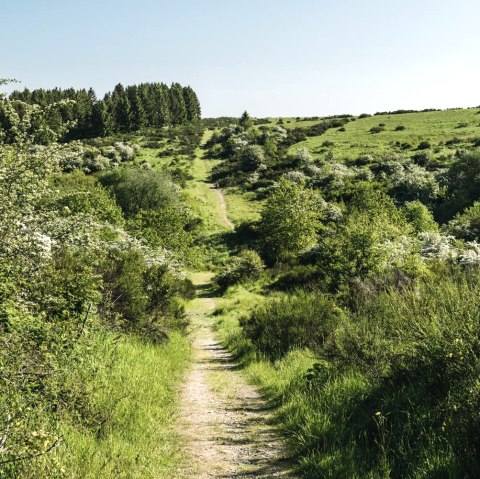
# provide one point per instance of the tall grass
(394, 392)
(136, 398)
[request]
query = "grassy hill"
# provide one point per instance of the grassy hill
(439, 132)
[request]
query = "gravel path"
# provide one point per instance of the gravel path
(226, 424)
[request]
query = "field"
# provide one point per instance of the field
(438, 128)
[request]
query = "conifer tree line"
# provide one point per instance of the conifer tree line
(125, 109)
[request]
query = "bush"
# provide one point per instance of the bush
(399, 128)
(422, 159)
(251, 157)
(246, 266)
(298, 321)
(139, 189)
(376, 129)
(143, 298)
(424, 145)
(289, 221)
(419, 349)
(466, 225)
(419, 216)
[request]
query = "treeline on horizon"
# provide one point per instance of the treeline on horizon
(125, 109)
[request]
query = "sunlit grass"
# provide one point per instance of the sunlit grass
(138, 398)
(436, 127)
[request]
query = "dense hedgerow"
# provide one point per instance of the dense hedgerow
(366, 283)
(73, 270)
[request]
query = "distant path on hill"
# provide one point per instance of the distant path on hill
(204, 196)
(223, 209)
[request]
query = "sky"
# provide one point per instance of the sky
(269, 57)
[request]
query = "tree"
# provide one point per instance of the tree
(178, 109)
(289, 221)
(251, 157)
(371, 236)
(192, 104)
(121, 108)
(137, 118)
(420, 217)
(160, 100)
(101, 122)
(246, 121)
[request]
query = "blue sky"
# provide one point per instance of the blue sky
(270, 57)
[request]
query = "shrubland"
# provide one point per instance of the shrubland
(362, 330)
(92, 291)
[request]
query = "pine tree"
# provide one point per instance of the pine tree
(121, 108)
(178, 109)
(246, 121)
(137, 115)
(192, 104)
(101, 122)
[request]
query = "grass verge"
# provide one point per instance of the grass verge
(137, 400)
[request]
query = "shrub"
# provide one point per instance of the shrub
(370, 238)
(246, 266)
(466, 225)
(139, 189)
(422, 159)
(376, 129)
(414, 182)
(289, 221)
(251, 157)
(399, 128)
(419, 349)
(298, 321)
(420, 217)
(80, 194)
(424, 145)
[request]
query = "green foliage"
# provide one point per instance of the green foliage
(69, 275)
(246, 266)
(397, 367)
(289, 222)
(246, 121)
(81, 194)
(136, 190)
(251, 157)
(419, 216)
(463, 181)
(165, 227)
(466, 225)
(371, 236)
(297, 321)
(125, 109)
(377, 129)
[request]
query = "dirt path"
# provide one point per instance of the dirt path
(226, 424)
(223, 209)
